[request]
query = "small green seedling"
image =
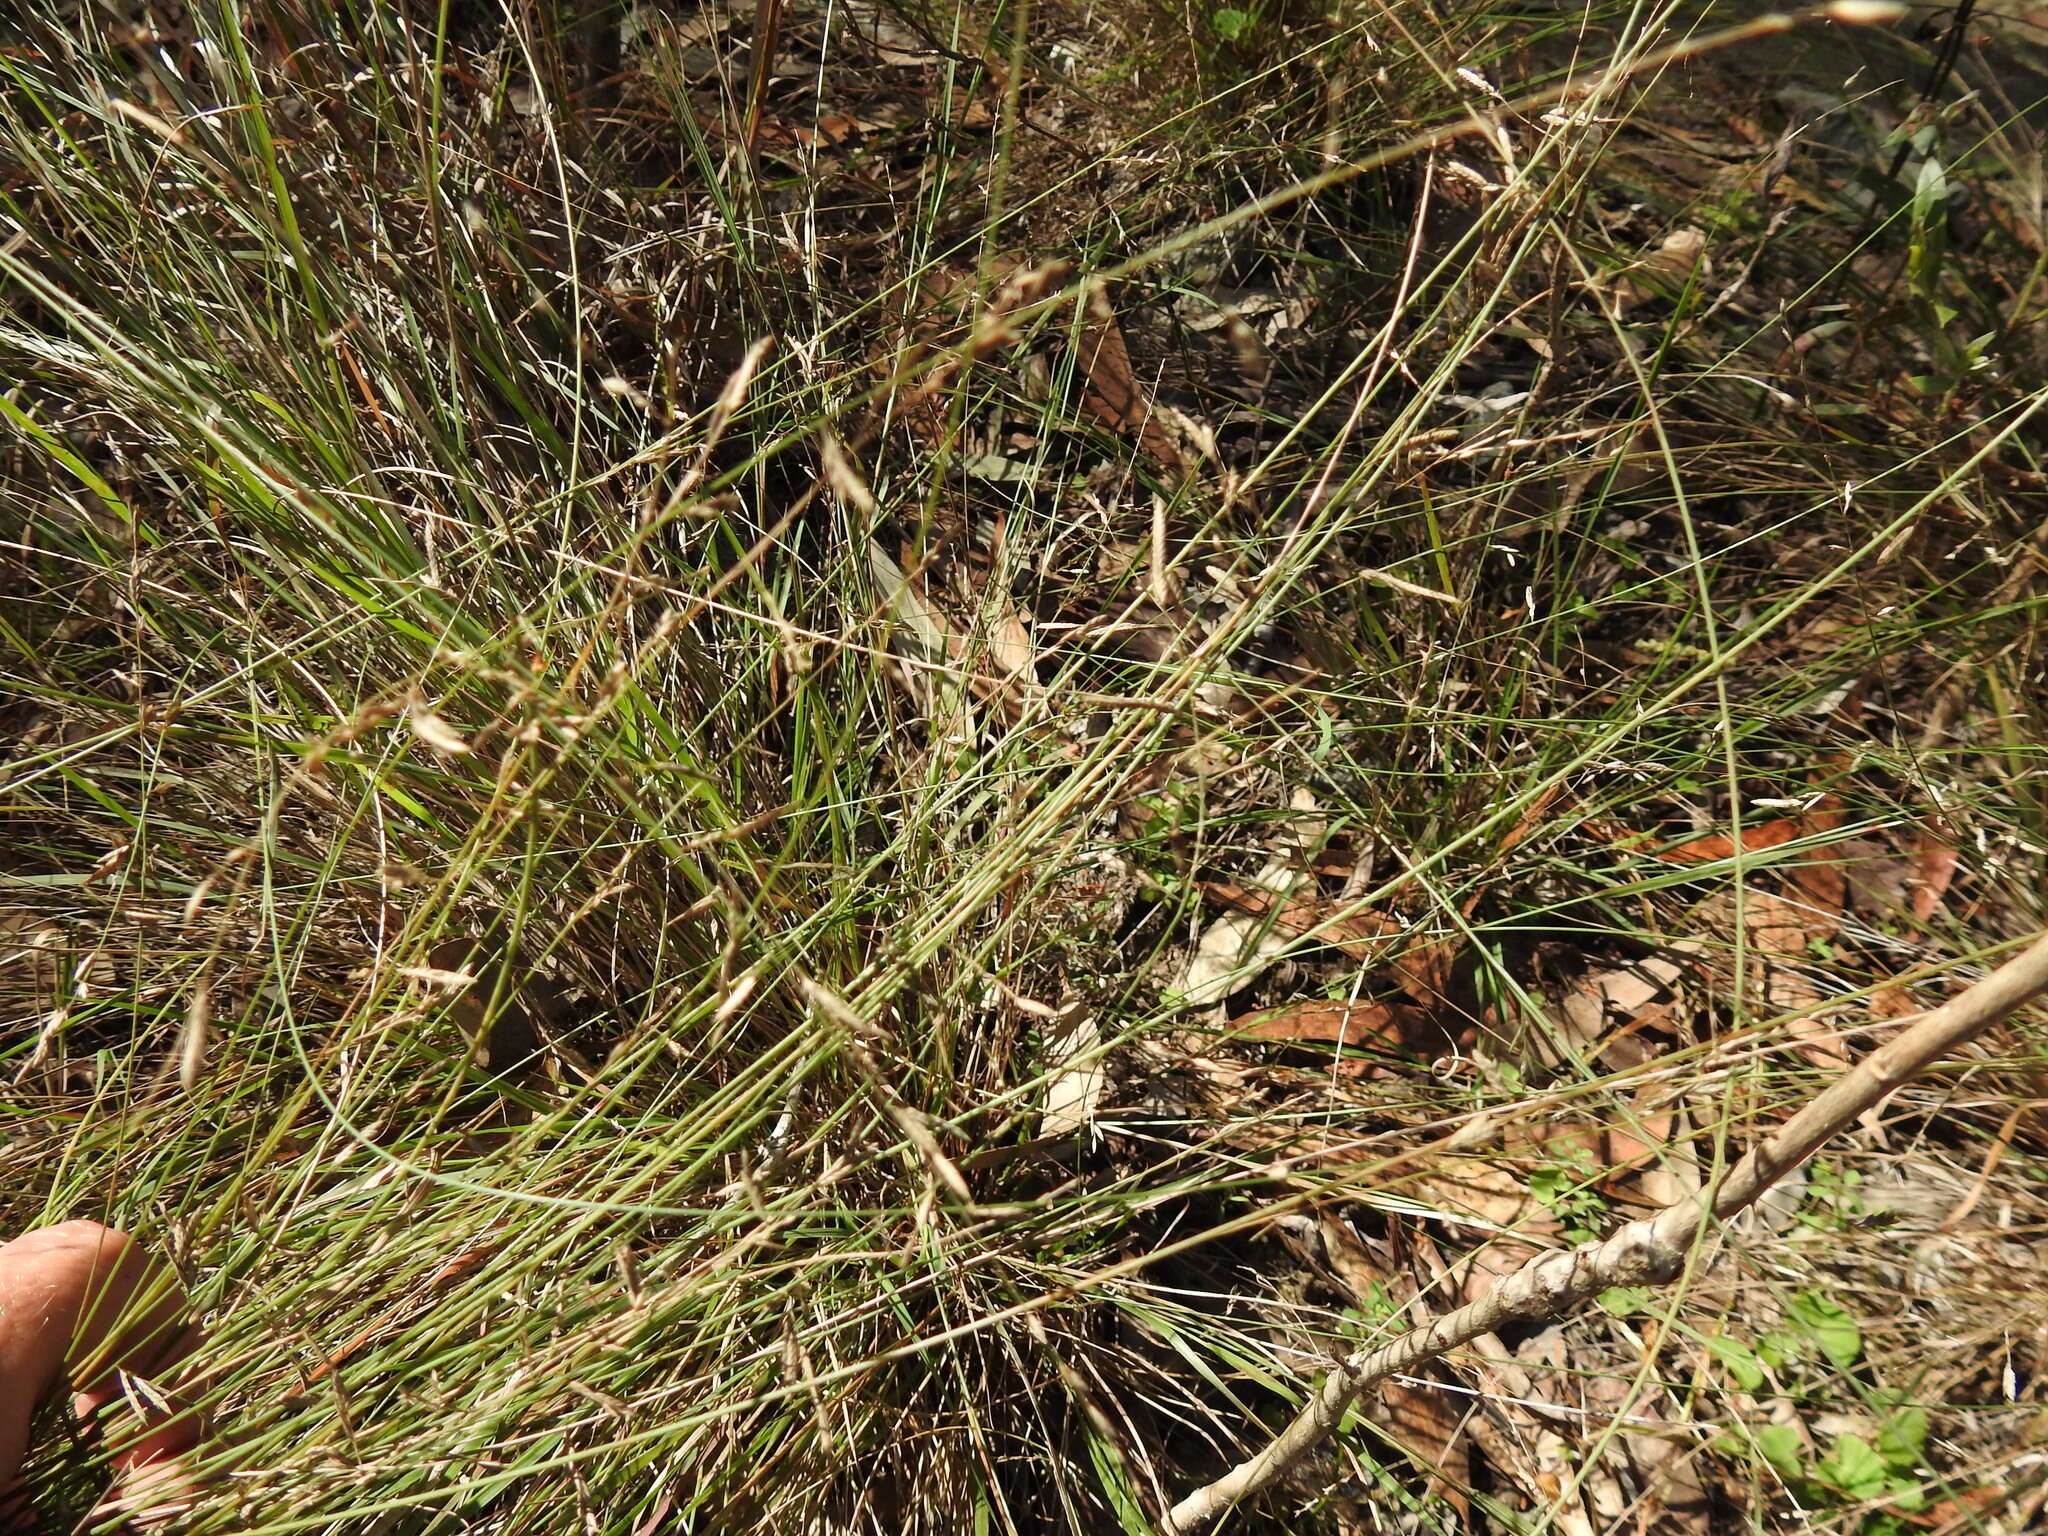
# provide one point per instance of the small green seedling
(1888, 1470)
(1564, 1190)
(1229, 23)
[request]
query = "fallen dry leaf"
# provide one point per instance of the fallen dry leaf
(1775, 935)
(1230, 954)
(1110, 389)
(1421, 1421)
(830, 130)
(1671, 1484)
(1969, 1510)
(1073, 1093)
(1535, 817)
(1825, 885)
(1485, 1193)
(1348, 1024)
(1390, 1028)
(1423, 969)
(1934, 868)
(1563, 1485)
(1235, 948)
(1756, 837)
(1009, 643)
(1613, 1006)
(1774, 927)
(927, 633)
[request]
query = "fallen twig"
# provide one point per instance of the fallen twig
(1651, 1251)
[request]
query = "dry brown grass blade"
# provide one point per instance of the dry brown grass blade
(760, 67)
(1652, 1251)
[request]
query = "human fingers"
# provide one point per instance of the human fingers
(45, 1277)
(83, 1295)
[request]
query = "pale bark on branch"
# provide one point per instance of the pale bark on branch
(1648, 1252)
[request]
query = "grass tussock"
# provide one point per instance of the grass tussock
(640, 711)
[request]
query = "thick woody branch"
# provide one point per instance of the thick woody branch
(1649, 1252)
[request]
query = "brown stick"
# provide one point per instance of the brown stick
(1649, 1252)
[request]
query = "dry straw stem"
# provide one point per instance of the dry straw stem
(1643, 1252)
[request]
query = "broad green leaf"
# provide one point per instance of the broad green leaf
(1781, 1446)
(1740, 1360)
(1930, 191)
(1834, 1330)
(1621, 1300)
(1780, 1347)
(1902, 1441)
(1854, 1467)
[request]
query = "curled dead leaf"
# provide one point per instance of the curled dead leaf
(1609, 1007)
(438, 977)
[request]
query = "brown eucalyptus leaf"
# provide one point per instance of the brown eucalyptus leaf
(1110, 388)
